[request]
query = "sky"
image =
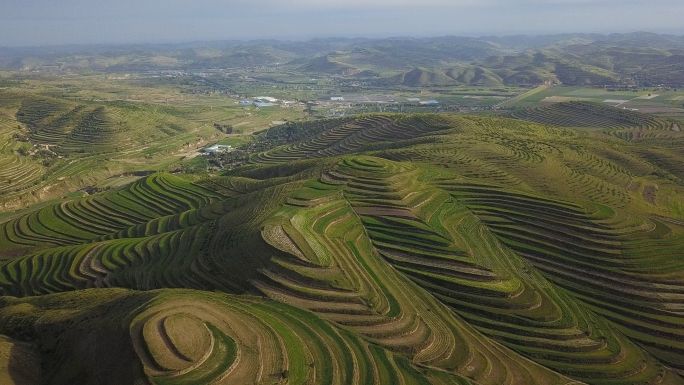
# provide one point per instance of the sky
(57, 22)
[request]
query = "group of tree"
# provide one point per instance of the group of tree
(227, 129)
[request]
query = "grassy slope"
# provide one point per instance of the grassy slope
(71, 145)
(482, 248)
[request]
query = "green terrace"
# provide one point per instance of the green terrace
(414, 249)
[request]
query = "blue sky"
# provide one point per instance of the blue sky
(48, 22)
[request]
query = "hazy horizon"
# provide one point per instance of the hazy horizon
(67, 22)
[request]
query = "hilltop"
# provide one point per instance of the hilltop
(55, 145)
(462, 75)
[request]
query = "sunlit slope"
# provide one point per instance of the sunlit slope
(17, 172)
(550, 160)
(55, 146)
(622, 123)
(428, 248)
(241, 245)
(93, 128)
(363, 134)
(325, 261)
(623, 267)
(589, 115)
(88, 219)
(444, 248)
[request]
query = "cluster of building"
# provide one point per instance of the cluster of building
(267, 101)
(216, 149)
(381, 99)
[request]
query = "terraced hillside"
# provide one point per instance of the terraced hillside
(190, 337)
(621, 266)
(92, 128)
(363, 134)
(54, 146)
(621, 123)
(589, 115)
(412, 249)
(17, 172)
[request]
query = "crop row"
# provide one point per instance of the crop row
(58, 129)
(17, 172)
(621, 265)
(165, 260)
(323, 261)
(185, 336)
(449, 252)
(591, 115)
(351, 137)
(85, 219)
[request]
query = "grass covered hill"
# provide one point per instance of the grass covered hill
(462, 75)
(54, 145)
(534, 67)
(590, 115)
(414, 249)
(622, 123)
(77, 127)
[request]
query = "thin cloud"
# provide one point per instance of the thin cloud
(95, 21)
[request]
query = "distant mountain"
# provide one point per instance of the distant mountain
(466, 75)
(245, 56)
(640, 58)
(474, 75)
(421, 77)
(325, 64)
(539, 67)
